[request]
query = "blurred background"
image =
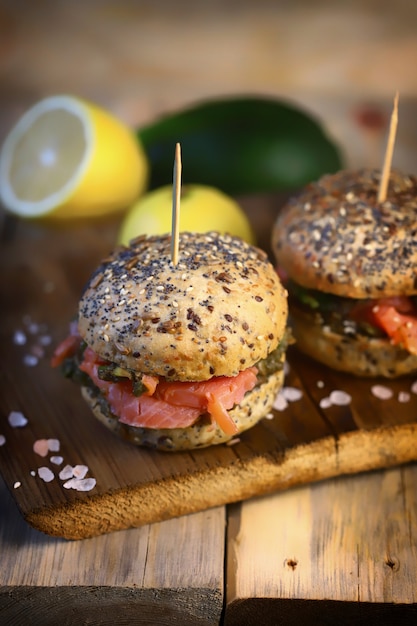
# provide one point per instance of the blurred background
(342, 60)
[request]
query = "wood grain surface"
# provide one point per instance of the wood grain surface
(159, 574)
(44, 269)
(296, 556)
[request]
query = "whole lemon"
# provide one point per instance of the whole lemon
(202, 208)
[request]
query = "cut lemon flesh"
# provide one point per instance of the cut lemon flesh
(69, 158)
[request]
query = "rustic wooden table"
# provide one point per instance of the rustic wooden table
(323, 549)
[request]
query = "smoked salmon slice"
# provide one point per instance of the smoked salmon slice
(173, 404)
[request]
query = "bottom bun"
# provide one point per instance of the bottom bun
(356, 354)
(255, 405)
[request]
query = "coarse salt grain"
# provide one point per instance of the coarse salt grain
(292, 394)
(53, 445)
(381, 392)
(233, 441)
(320, 384)
(80, 484)
(325, 403)
(340, 398)
(30, 360)
(2, 440)
(403, 396)
(79, 471)
(17, 484)
(19, 338)
(57, 460)
(32, 473)
(280, 403)
(66, 472)
(45, 340)
(17, 419)
(46, 474)
(414, 387)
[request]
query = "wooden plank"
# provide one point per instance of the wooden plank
(44, 269)
(295, 557)
(163, 573)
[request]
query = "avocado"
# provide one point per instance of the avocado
(241, 145)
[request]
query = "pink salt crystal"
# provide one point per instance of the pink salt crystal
(414, 387)
(17, 419)
(41, 447)
(381, 392)
(46, 474)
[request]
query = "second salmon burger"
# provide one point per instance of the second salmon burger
(180, 356)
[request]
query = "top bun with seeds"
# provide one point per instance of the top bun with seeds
(218, 311)
(180, 356)
(349, 263)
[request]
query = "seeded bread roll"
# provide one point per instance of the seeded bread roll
(256, 404)
(357, 354)
(336, 237)
(349, 263)
(185, 355)
(218, 311)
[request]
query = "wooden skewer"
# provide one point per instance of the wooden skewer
(176, 199)
(383, 185)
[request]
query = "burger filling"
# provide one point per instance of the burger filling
(393, 318)
(153, 402)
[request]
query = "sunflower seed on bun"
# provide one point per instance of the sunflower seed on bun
(180, 356)
(349, 264)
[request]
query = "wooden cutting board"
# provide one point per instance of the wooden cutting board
(43, 269)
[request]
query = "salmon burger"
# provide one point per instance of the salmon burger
(185, 355)
(349, 263)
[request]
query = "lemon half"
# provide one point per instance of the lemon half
(67, 157)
